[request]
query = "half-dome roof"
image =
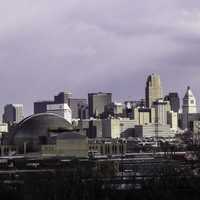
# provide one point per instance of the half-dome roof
(43, 122)
(35, 128)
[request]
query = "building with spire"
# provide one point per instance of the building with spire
(189, 107)
(153, 90)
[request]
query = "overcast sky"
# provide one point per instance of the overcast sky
(47, 46)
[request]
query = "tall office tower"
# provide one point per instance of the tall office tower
(41, 106)
(97, 103)
(13, 113)
(189, 107)
(62, 97)
(76, 106)
(161, 110)
(174, 100)
(153, 90)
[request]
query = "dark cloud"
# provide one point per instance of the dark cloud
(107, 45)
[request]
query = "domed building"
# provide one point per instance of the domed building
(35, 130)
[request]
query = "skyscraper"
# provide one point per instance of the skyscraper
(41, 106)
(97, 103)
(189, 107)
(13, 113)
(161, 110)
(174, 100)
(76, 106)
(144, 115)
(61, 109)
(62, 98)
(172, 120)
(153, 90)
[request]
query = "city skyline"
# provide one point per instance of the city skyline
(49, 47)
(115, 99)
(100, 99)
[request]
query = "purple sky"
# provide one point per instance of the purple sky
(47, 46)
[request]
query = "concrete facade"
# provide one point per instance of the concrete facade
(153, 130)
(172, 120)
(144, 115)
(95, 128)
(67, 147)
(161, 109)
(62, 110)
(113, 128)
(75, 104)
(107, 147)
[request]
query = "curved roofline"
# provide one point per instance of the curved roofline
(40, 114)
(67, 135)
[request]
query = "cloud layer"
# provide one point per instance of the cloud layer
(108, 45)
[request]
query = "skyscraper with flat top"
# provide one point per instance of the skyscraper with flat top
(153, 90)
(174, 100)
(75, 104)
(62, 97)
(97, 103)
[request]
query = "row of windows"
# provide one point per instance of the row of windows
(109, 149)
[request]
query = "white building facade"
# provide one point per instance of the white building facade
(154, 130)
(113, 128)
(161, 109)
(189, 107)
(62, 110)
(172, 120)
